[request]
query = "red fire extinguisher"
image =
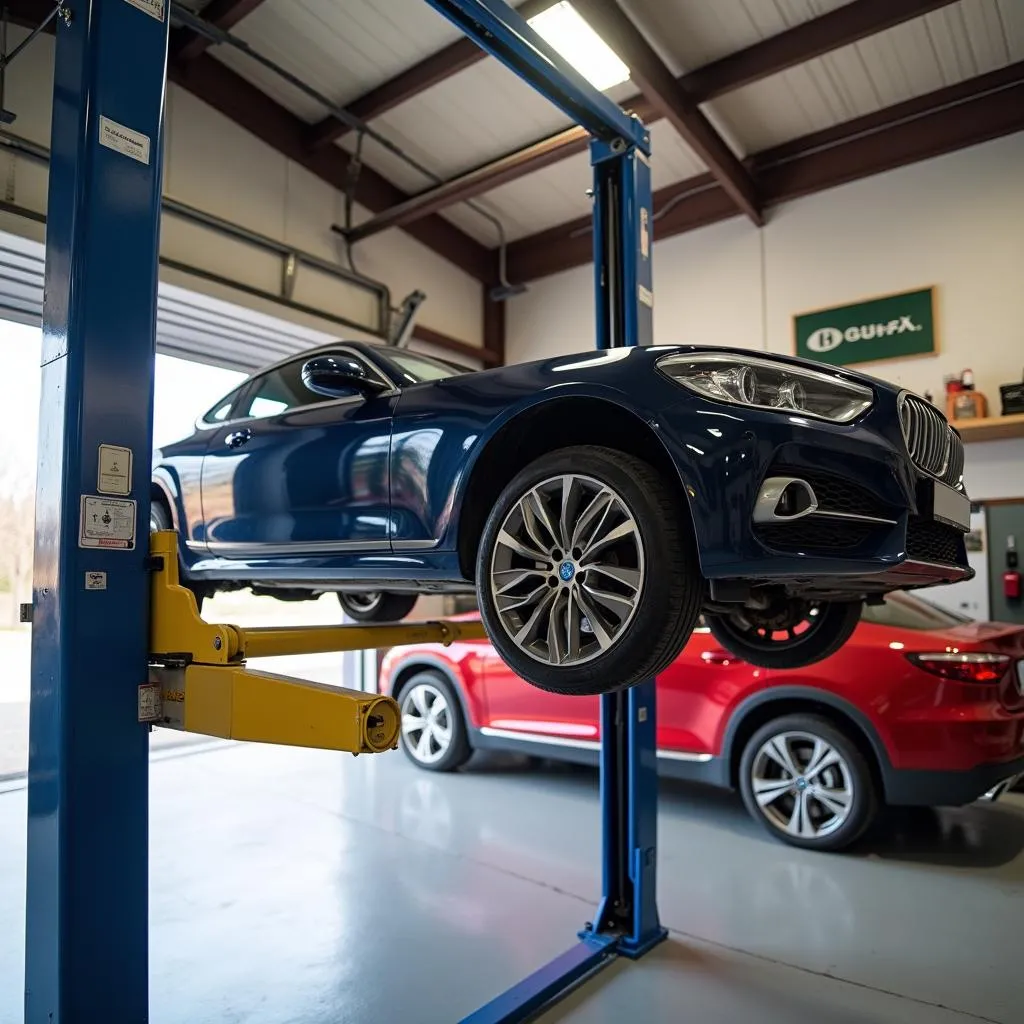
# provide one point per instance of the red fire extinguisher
(1011, 577)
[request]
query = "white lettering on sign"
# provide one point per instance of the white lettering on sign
(645, 295)
(114, 474)
(154, 8)
(107, 523)
(825, 339)
(123, 140)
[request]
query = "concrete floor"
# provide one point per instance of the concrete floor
(302, 886)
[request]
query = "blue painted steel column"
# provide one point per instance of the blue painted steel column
(629, 765)
(87, 899)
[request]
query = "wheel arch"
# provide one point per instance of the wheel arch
(163, 488)
(582, 418)
(761, 708)
(407, 670)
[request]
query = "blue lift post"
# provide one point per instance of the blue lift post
(86, 956)
(626, 922)
(87, 897)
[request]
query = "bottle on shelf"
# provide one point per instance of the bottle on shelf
(966, 402)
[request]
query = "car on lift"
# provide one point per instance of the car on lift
(920, 707)
(595, 503)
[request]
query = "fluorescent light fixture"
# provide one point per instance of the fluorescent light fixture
(562, 26)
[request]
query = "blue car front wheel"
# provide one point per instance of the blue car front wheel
(587, 572)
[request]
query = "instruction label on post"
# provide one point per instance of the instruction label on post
(150, 704)
(114, 475)
(130, 143)
(107, 523)
(154, 8)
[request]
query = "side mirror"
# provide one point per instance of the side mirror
(338, 376)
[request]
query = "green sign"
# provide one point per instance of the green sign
(889, 327)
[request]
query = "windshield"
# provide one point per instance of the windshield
(901, 611)
(417, 368)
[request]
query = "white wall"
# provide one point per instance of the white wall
(212, 164)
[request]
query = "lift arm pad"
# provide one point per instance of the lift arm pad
(235, 703)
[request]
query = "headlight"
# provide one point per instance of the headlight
(769, 385)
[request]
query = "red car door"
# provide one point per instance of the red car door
(514, 706)
(693, 695)
(697, 691)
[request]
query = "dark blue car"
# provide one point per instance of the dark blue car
(596, 504)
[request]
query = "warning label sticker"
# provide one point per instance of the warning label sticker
(154, 8)
(150, 704)
(124, 140)
(107, 523)
(114, 475)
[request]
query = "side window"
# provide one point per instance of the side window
(282, 389)
(277, 392)
(220, 412)
(418, 369)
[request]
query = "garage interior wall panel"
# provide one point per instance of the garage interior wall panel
(955, 222)
(707, 291)
(215, 166)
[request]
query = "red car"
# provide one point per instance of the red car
(920, 707)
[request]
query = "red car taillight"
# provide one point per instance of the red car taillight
(969, 667)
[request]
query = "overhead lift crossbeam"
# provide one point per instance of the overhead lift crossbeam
(107, 618)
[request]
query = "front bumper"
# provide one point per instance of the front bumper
(889, 538)
(926, 788)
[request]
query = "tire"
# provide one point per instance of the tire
(818, 825)
(377, 606)
(755, 639)
(648, 577)
(445, 749)
(160, 519)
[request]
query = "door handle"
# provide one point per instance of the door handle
(237, 438)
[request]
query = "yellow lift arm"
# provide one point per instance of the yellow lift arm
(199, 681)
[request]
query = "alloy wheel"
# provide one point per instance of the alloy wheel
(364, 602)
(567, 570)
(426, 723)
(802, 784)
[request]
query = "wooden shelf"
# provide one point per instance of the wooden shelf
(991, 428)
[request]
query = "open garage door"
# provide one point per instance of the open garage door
(189, 325)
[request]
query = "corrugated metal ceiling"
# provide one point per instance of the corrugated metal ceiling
(945, 47)
(343, 48)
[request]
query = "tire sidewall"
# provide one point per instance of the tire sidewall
(650, 614)
(158, 511)
(865, 798)
(459, 749)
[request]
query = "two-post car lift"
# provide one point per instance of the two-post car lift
(116, 643)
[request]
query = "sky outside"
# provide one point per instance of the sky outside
(183, 391)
